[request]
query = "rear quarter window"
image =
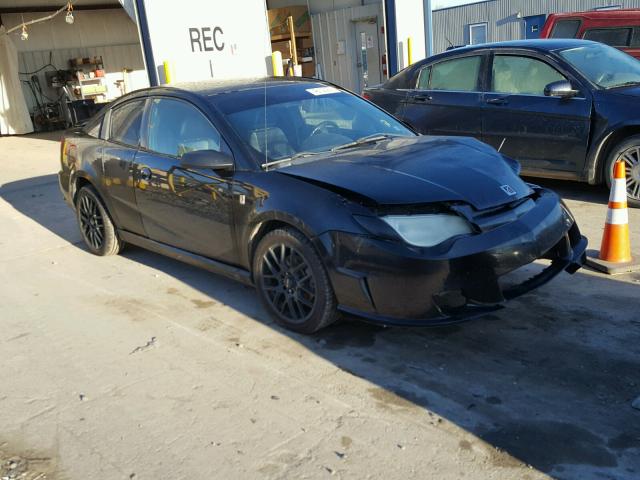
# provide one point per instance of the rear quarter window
(93, 126)
(566, 28)
(126, 121)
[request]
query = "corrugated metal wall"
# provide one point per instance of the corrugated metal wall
(335, 26)
(109, 33)
(451, 24)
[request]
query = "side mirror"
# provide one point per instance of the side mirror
(560, 89)
(203, 159)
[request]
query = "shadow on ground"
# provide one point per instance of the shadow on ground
(550, 379)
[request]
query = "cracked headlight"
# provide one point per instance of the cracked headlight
(428, 230)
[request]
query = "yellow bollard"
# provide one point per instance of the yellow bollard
(167, 72)
(276, 62)
(409, 51)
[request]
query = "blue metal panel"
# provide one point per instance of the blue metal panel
(533, 26)
(146, 43)
(392, 36)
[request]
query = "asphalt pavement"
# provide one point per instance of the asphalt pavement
(138, 366)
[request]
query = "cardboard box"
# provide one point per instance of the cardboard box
(308, 69)
(304, 42)
(278, 20)
(284, 47)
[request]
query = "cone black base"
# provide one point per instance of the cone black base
(611, 268)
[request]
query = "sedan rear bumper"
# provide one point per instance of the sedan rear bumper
(396, 284)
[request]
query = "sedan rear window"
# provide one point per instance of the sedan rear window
(459, 74)
(565, 29)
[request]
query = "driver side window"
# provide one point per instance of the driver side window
(177, 127)
(522, 75)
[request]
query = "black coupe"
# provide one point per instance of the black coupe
(320, 199)
(564, 109)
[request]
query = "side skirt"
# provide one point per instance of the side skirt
(234, 273)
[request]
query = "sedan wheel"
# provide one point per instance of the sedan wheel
(96, 227)
(629, 152)
(288, 281)
(631, 159)
(293, 283)
(91, 222)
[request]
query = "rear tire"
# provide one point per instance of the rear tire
(629, 151)
(97, 229)
(293, 283)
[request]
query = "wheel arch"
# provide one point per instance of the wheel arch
(78, 182)
(272, 221)
(82, 179)
(604, 149)
(262, 228)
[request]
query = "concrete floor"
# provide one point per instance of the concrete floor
(138, 366)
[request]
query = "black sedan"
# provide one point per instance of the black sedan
(320, 199)
(564, 109)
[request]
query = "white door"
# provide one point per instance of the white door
(368, 57)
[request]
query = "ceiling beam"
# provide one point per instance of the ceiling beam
(53, 8)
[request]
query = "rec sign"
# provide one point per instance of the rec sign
(206, 39)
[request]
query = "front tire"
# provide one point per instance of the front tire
(293, 283)
(629, 151)
(97, 229)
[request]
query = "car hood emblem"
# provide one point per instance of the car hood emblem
(508, 189)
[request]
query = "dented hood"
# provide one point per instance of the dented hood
(417, 170)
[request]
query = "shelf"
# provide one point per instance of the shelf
(286, 36)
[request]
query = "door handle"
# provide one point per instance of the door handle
(422, 98)
(498, 101)
(144, 174)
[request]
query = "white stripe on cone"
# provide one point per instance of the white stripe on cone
(618, 190)
(617, 216)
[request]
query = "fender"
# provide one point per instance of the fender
(90, 175)
(274, 207)
(260, 226)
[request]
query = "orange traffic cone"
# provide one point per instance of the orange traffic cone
(616, 246)
(615, 250)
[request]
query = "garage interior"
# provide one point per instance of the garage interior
(86, 55)
(78, 56)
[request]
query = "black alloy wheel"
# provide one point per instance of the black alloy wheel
(292, 282)
(96, 226)
(288, 282)
(91, 222)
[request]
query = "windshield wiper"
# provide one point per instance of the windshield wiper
(376, 137)
(289, 159)
(625, 84)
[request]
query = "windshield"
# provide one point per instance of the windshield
(282, 121)
(605, 66)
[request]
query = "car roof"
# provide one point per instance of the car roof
(215, 87)
(631, 13)
(541, 45)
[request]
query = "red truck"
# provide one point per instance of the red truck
(617, 28)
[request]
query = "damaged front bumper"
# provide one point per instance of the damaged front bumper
(393, 283)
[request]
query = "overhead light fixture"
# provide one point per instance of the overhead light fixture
(24, 35)
(69, 16)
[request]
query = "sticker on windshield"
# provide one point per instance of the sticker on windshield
(322, 90)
